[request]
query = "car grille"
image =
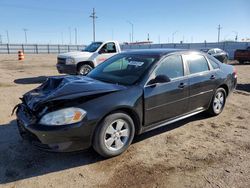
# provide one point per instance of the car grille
(61, 60)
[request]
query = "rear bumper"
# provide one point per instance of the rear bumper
(66, 138)
(66, 69)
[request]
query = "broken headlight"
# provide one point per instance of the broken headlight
(63, 117)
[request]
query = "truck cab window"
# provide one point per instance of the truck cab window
(108, 48)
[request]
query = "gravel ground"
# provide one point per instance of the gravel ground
(197, 152)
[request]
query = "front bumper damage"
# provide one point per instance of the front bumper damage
(65, 138)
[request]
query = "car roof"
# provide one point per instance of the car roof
(159, 52)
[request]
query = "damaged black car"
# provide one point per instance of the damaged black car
(130, 93)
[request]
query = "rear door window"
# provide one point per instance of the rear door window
(196, 63)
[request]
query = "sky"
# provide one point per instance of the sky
(54, 21)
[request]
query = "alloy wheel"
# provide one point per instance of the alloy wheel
(84, 70)
(218, 102)
(116, 135)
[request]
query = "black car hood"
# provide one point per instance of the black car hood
(66, 87)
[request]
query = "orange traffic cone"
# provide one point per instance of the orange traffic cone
(20, 55)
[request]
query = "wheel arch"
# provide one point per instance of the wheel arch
(127, 110)
(79, 64)
(225, 87)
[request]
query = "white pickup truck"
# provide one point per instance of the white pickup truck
(81, 62)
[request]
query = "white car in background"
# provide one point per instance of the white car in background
(82, 62)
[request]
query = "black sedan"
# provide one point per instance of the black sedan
(219, 54)
(130, 93)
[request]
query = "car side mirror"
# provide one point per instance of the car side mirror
(209, 53)
(159, 79)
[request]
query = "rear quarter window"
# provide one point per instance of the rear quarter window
(214, 63)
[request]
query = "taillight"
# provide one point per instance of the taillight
(235, 72)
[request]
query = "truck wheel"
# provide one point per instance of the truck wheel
(84, 69)
(114, 134)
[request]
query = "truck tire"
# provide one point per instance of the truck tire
(84, 69)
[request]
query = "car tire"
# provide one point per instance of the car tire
(218, 102)
(225, 60)
(114, 134)
(84, 69)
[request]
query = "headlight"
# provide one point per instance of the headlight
(63, 117)
(70, 61)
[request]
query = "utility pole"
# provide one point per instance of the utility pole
(0, 39)
(7, 34)
(93, 16)
(132, 29)
(219, 28)
(75, 36)
(25, 35)
(173, 34)
(69, 35)
(236, 35)
(148, 37)
(62, 37)
(159, 39)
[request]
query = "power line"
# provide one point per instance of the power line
(93, 16)
(219, 28)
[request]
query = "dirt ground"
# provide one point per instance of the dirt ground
(198, 152)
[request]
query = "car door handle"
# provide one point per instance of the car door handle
(181, 85)
(212, 77)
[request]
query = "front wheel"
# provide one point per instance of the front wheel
(218, 102)
(114, 135)
(84, 69)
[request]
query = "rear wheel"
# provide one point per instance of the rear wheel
(225, 60)
(84, 69)
(114, 135)
(218, 102)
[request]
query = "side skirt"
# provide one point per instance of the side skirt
(158, 125)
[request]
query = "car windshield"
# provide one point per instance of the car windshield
(124, 69)
(92, 47)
